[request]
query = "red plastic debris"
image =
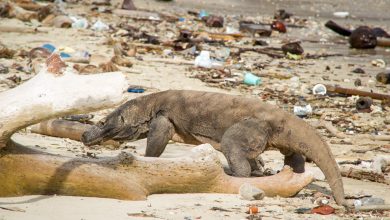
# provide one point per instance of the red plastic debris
(323, 210)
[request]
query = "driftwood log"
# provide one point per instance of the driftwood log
(131, 177)
(56, 92)
(65, 129)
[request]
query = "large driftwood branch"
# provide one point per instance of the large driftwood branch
(56, 91)
(131, 177)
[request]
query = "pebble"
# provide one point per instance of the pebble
(250, 192)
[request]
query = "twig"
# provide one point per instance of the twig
(362, 151)
(266, 51)
(169, 61)
(338, 29)
(317, 56)
(347, 91)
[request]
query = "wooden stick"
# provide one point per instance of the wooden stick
(338, 29)
(347, 91)
(333, 130)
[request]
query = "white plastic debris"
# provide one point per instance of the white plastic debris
(319, 89)
(100, 26)
(80, 23)
(203, 60)
(341, 14)
(303, 110)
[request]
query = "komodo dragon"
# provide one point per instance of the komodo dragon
(241, 128)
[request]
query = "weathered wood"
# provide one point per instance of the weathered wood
(347, 91)
(65, 129)
(54, 92)
(363, 174)
(25, 172)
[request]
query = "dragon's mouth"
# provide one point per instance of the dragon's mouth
(96, 135)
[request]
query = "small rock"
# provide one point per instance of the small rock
(3, 69)
(293, 48)
(383, 77)
(358, 82)
(250, 192)
(358, 70)
(214, 21)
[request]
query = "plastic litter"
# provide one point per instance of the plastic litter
(203, 60)
(64, 55)
(319, 89)
(203, 13)
(251, 79)
(341, 14)
(49, 47)
(323, 210)
(100, 26)
(135, 90)
(303, 111)
(80, 23)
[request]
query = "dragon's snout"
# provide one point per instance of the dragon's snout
(92, 136)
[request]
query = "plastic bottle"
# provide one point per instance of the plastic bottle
(251, 79)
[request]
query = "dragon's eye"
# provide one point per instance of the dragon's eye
(122, 119)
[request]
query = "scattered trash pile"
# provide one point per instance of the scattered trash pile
(274, 59)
